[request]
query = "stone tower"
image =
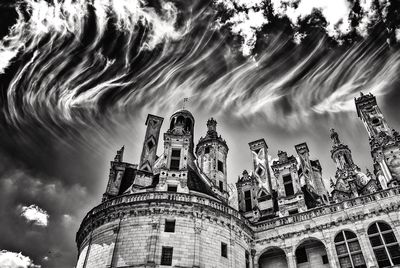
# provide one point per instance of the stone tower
(178, 153)
(212, 151)
(311, 177)
(384, 142)
(248, 188)
(150, 143)
(350, 181)
(290, 196)
(118, 178)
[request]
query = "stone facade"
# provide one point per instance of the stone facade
(173, 210)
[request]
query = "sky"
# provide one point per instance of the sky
(77, 80)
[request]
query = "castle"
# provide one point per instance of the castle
(173, 210)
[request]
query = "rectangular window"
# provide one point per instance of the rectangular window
(287, 182)
(175, 159)
(169, 226)
(224, 250)
(294, 211)
(247, 200)
(221, 186)
(325, 259)
(176, 153)
(301, 255)
(172, 188)
(247, 256)
(207, 150)
(166, 255)
(220, 166)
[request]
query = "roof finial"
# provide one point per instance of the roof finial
(183, 103)
(335, 137)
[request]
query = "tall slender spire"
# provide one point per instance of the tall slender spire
(335, 137)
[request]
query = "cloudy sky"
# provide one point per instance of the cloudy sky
(78, 78)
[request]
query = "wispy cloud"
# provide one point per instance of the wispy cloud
(10, 259)
(35, 215)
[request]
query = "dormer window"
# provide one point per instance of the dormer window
(288, 184)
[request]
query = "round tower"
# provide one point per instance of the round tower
(211, 152)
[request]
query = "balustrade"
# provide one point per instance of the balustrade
(264, 225)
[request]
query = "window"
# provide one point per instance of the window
(175, 159)
(247, 201)
(224, 250)
(220, 166)
(384, 244)
(294, 211)
(247, 256)
(348, 250)
(172, 188)
(301, 255)
(166, 255)
(264, 197)
(325, 259)
(221, 186)
(169, 226)
(207, 150)
(287, 182)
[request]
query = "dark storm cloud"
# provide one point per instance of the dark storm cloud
(79, 77)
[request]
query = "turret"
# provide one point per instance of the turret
(290, 196)
(350, 181)
(178, 153)
(211, 152)
(340, 153)
(384, 141)
(115, 178)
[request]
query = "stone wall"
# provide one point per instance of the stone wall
(129, 232)
(135, 239)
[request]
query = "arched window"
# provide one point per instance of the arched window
(180, 120)
(348, 250)
(384, 244)
(188, 124)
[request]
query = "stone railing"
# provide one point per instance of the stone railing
(204, 201)
(166, 197)
(324, 210)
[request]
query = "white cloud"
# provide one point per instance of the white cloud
(246, 24)
(333, 11)
(10, 259)
(34, 214)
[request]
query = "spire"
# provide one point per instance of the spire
(120, 155)
(212, 125)
(335, 137)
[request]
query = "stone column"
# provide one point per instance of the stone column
(331, 253)
(197, 246)
(152, 246)
(113, 247)
(253, 254)
(290, 257)
(366, 249)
